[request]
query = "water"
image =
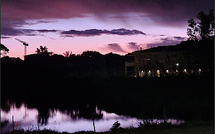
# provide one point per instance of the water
(27, 119)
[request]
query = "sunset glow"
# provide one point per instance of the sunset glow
(94, 25)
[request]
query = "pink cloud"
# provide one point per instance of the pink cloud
(115, 47)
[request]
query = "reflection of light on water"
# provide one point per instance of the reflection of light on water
(109, 115)
(63, 122)
(24, 117)
(20, 114)
(160, 121)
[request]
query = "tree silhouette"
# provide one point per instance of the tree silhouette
(211, 17)
(90, 54)
(202, 29)
(4, 50)
(67, 54)
(192, 32)
(115, 126)
(43, 50)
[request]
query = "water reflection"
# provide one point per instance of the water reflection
(29, 119)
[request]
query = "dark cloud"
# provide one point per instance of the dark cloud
(179, 38)
(133, 46)
(46, 31)
(119, 16)
(34, 22)
(15, 31)
(14, 28)
(12, 31)
(174, 38)
(86, 33)
(40, 21)
(15, 13)
(123, 31)
(5, 37)
(167, 12)
(40, 9)
(115, 47)
(167, 41)
(96, 32)
(11, 28)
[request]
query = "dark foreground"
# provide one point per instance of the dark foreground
(186, 98)
(189, 128)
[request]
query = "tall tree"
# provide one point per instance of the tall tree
(192, 32)
(203, 28)
(204, 25)
(211, 15)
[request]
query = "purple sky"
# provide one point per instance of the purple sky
(118, 26)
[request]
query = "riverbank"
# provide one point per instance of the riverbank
(188, 128)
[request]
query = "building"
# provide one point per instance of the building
(168, 61)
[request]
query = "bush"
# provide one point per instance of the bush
(115, 126)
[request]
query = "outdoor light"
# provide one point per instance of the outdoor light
(167, 71)
(158, 73)
(177, 64)
(199, 71)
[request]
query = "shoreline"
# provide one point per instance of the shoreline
(187, 128)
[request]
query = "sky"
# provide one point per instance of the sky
(118, 26)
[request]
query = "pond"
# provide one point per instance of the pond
(28, 119)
